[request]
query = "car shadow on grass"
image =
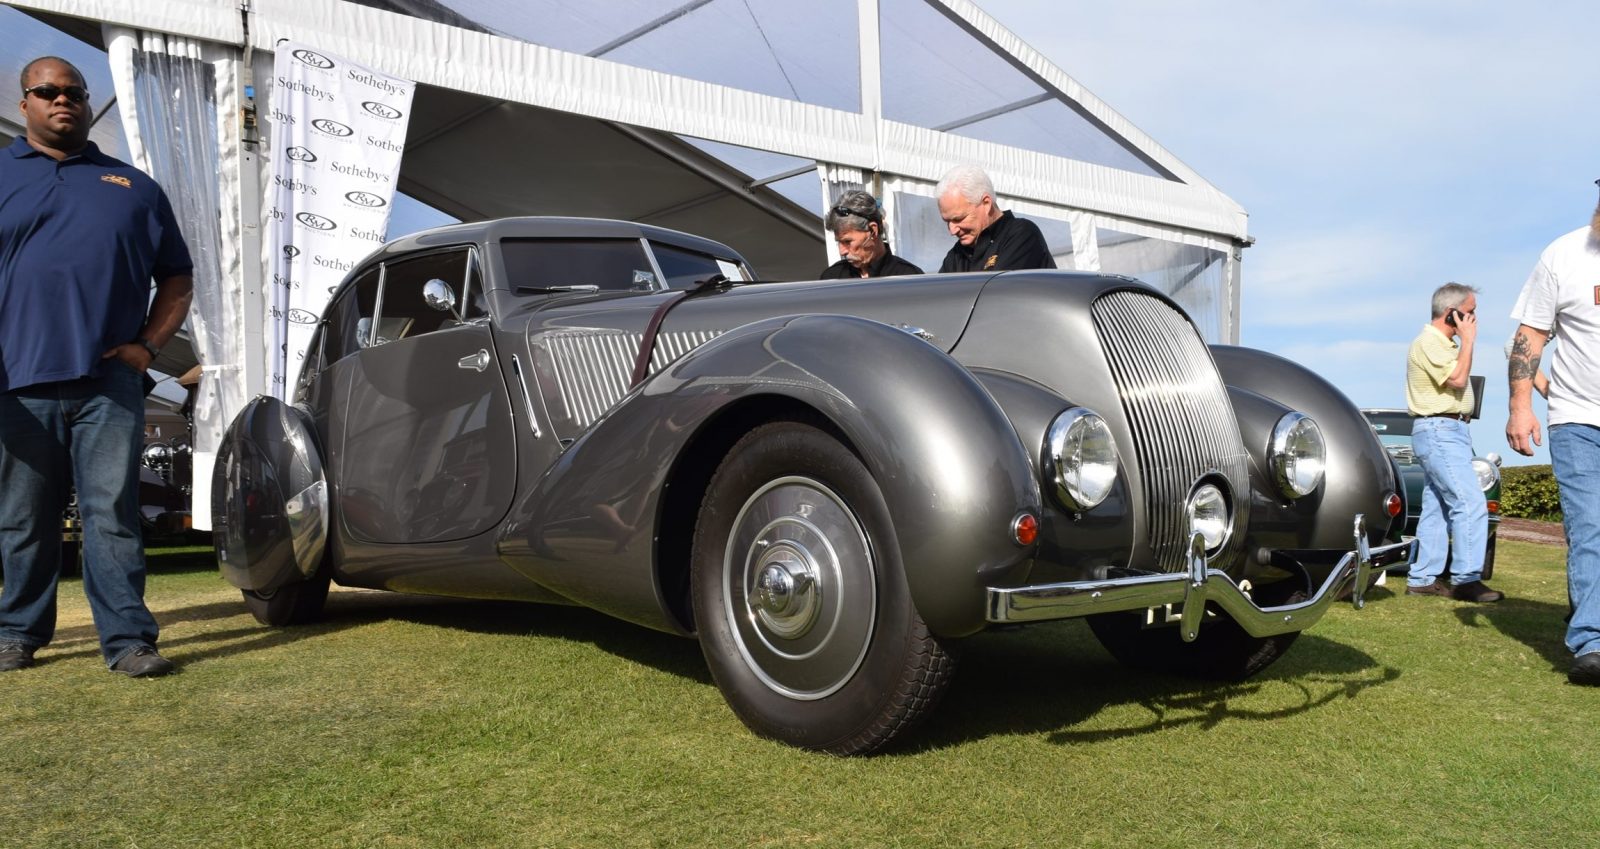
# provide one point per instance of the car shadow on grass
(1055, 679)
(658, 650)
(356, 609)
(1539, 625)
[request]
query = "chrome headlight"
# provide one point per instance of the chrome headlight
(157, 456)
(1082, 456)
(1487, 474)
(1209, 516)
(1297, 454)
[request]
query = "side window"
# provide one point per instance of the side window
(614, 265)
(405, 312)
(686, 268)
(349, 318)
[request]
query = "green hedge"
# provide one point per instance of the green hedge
(1529, 492)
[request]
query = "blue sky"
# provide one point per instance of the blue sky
(1380, 148)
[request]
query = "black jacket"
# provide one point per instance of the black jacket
(887, 265)
(1008, 243)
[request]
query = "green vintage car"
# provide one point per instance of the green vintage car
(1394, 431)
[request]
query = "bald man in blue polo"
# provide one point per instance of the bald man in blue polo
(82, 237)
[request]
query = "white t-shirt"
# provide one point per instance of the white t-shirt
(1562, 295)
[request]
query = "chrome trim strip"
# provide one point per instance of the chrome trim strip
(527, 398)
(1191, 589)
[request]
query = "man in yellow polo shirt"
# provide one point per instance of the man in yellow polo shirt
(1455, 517)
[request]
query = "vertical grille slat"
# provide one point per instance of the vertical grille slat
(1178, 411)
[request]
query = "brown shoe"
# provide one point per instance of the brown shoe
(1476, 591)
(1435, 588)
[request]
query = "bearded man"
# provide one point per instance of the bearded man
(1564, 291)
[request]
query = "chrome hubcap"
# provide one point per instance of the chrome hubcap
(801, 589)
(786, 598)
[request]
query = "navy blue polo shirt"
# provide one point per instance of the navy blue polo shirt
(80, 242)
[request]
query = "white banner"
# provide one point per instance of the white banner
(340, 129)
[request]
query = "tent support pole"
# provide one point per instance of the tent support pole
(805, 224)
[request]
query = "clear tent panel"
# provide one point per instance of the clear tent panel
(938, 75)
(798, 51)
(1192, 275)
(920, 235)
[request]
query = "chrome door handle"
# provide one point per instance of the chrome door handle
(476, 362)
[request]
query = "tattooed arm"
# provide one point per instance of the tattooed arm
(1522, 428)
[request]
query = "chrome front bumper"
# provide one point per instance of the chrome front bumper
(1187, 592)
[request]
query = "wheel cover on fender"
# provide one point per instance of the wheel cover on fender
(801, 592)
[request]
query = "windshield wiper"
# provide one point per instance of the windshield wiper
(548, 290)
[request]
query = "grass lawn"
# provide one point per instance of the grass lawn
(405, 722)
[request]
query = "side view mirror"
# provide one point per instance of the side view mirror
(643, 281)
(439, 296)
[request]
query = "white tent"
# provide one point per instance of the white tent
(735, 119)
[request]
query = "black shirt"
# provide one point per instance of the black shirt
(887, 265)
(1009, 243)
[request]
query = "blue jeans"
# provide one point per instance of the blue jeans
(1575, 458)
(89, 432)
(1455, 516)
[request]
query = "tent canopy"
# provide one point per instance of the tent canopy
(739, 120)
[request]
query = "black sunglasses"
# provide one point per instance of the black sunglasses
(51, 91)
(841, 212)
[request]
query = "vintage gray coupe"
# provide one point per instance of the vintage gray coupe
(827, 483)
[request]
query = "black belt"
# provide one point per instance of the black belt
(1460, 417)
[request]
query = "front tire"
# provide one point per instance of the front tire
(1223, 651)
(800, 599)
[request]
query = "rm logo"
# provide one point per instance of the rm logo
(128, 184)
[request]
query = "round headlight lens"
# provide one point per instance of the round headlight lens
(1082, 456)
(1297, 454)
(1487, 474)
(1209, 516)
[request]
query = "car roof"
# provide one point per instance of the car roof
(551, 227)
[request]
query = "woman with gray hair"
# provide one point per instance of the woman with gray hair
(856, 221)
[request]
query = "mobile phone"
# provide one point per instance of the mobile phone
(1450, 317)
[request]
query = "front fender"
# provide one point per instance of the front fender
(1359, 476)
(950, 466)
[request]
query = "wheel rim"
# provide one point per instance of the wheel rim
(801, 586)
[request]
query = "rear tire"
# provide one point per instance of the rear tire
(299, 603)
(800, 599)
(1224, 651)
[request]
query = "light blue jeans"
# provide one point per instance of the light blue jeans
(88, 431)
(1575, 458)
(1455, 516)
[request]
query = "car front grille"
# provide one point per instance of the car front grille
(1178, 411)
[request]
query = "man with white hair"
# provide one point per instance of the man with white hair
(986, 238)
(1564, 291)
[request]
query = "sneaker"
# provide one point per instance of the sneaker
(1435, 588)
(1476, 591)
(142, 662)
(15, 656)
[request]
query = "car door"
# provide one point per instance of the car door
(426, 448)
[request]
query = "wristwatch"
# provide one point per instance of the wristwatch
(154, 351)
